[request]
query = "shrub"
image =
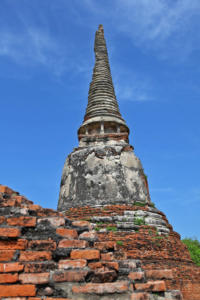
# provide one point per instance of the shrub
(193, 246)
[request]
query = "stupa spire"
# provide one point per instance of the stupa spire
(102, 114)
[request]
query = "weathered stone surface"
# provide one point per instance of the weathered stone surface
(115, 178)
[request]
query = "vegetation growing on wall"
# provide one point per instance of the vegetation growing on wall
(193, 246)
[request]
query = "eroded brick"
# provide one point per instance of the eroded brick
(107, 256)
(140, 296)
(11, 267)
(102, 288)
(154, 286)
(34, 278)
(6, 255)
(85, 254)
(8, 278)
(72, 264)
(12, 244)
(35, 255)
(17, 290)
(67, 233)
(9, 232)
(105, 245)
(42, 245)
(54, 221)
(69, 276)
(159, 274)
(136, 275)
(22, 221)
(72, 244)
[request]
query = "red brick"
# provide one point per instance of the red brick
(54, 221)
(154, 286)
(140, 296)
(107, 256)
(39, 267)
(22, 221)
(34, 207)
(105, 245)
(72, 244)
(8, 278)
(72, 264)
(85, 254)
(18, 245)
(35, 255)
(88, 236)
(109, 264)
(17, 290)
(42, 245)
(81, 224)
(136, 275)
(67, 233)
(8, 203)
(11, 267)
(6, 255)
(102, 288)
(15, 298)
(6, 190)
(2, 219)
(34, 278)
(47, 298)
(69, 276)
(9, 232)
(159, 274)
(95, 265)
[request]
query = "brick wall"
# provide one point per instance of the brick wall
(45, 254)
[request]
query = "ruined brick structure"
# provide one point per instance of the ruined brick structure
(107, 240)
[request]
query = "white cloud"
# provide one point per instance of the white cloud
(32, 47)
(171, 27)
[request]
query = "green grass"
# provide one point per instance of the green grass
(139, 204)
(139, 221)
(120, 243)
(97, 228)
(193, 246)
(111, 228)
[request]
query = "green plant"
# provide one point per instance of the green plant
(137, 203)
(150, 232)
(139, 221)
(152, 204)
(99, 223)
(193, 246)
(120, 243)
(97, 228)
(111, 228)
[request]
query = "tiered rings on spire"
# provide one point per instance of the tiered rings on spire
(102, 116)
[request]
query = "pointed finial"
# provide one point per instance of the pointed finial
(102, 110)
(101, 28)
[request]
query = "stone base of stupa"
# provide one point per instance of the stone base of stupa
(103, 174)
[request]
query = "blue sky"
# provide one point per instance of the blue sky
(46, 61)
